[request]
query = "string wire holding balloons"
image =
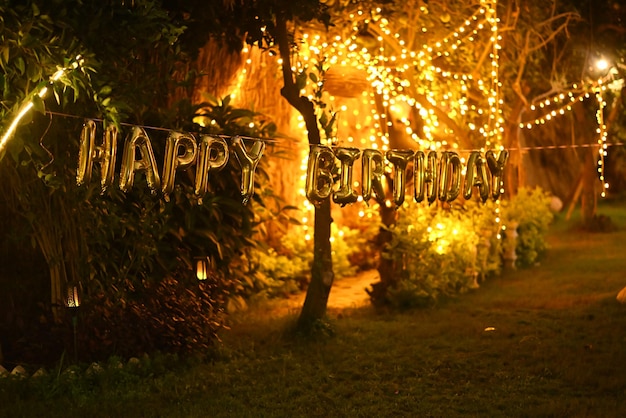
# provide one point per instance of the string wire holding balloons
(433, 176)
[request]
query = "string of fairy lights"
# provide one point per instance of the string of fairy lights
(401, 78)
(495, 120)
(29, 104)
(561, 103)
(395, 74)
(602, 143)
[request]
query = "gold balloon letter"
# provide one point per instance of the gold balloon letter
(496, 168)
(476, 176)
(248, 160)
(89, 152)
(400, 160)
(425, 176)
(138, 142)
(346, 193)
(319, 174)
(373, 170)
(174, 159)
(213, 155)
(449, 176)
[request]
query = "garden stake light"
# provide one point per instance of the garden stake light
(73, 303)
(202, 267)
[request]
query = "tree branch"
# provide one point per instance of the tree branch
(290, 90)
(423, 101)
(544, 41)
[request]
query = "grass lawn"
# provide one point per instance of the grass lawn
(549, 341)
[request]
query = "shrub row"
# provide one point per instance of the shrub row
(442, 252)
(434, 251)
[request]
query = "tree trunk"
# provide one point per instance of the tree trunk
(589, 199)
(590, 180)
(386, 267)
(515, 166)
(322, 275)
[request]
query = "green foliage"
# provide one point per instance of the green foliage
(439, 252)
(530, 210)
(279, 274)
(443, 252)
(362, 237)
(122, 250)
(171, 315)
(32, 49)
(284, 270)
(326, 116)
(345, 243)
(218, 116)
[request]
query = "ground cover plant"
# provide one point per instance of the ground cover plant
(543, 341)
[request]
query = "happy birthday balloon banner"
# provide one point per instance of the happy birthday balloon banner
(433, 177)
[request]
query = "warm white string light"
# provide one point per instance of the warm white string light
(392, 86)
(26, 107)
(495, 122)
(390, 70)
(561, 103)
(602, 145)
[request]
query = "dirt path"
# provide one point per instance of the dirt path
(348, 292)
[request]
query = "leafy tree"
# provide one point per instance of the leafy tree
(121, 249)
(268, 24)
(460, 69)
(565, 64)
(456, 99)
(602, 32)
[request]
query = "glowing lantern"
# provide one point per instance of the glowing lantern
(202, 267)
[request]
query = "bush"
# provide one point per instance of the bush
(170, 316)
(440, 252)
(125, 251)
(141, 251)
(285, 270)
(530, 211)
(275, 275)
